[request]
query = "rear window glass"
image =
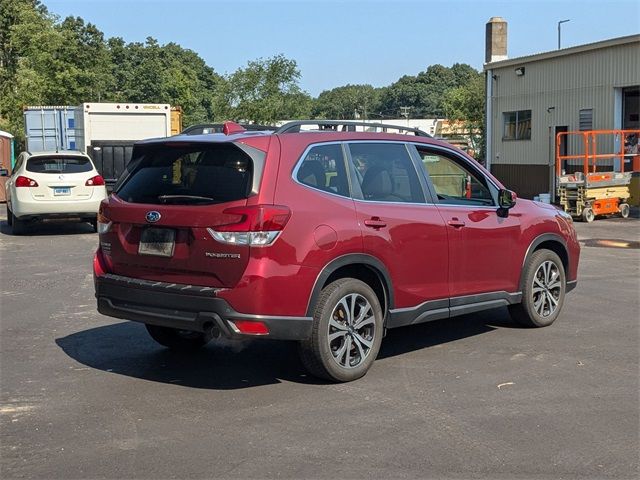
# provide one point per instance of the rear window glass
(192, 174)
(59, 165)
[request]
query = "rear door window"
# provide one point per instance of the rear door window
(385, 173)
(188, 174)
(56, 164)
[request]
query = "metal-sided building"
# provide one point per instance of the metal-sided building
(530, 99)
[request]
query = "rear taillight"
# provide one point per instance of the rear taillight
(257, 225)
(96, 181)
(104, 223)
(25, 182)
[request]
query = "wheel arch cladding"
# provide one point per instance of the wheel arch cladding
(550, 242)
(366, 268)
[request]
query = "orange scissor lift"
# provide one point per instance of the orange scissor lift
(597, 186)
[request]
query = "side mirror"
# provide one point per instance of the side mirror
(4, 172)
(506, 200)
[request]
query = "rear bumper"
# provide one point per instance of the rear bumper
(36, 209)
(186, 307)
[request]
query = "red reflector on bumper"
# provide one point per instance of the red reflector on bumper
(99, 267)
(249, 327)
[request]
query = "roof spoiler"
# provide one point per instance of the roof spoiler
(230, 128)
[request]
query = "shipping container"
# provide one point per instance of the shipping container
(49, 128)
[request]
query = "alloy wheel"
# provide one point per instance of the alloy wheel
(547, 287)
(351, 330)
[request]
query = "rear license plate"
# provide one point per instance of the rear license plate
(62, 191)
(157, 241)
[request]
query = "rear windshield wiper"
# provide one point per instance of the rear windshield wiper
(197, 198)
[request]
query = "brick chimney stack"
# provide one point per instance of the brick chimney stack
(496, 40)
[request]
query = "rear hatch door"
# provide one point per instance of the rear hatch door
(167, 199)
(60, 178)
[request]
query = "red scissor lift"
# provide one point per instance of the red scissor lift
(598, 184)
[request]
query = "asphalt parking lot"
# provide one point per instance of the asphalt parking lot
(87, 396)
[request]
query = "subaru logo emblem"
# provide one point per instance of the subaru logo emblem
(152, 216)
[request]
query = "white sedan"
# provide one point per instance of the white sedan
(53, 185)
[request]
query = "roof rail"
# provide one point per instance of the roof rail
(346, 126)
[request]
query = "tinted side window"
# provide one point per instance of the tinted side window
(323, 168)
(385, 172)
(455, 184)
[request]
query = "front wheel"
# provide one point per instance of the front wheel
(588, 215)
(347, 332)
(180, 340)
(543, 293)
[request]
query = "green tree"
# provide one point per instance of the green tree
(27, 51)
(466, 104)
(264, 91)
(153, 73)
(81, 72)
(345, 102)
(424, 93)
(405, 92)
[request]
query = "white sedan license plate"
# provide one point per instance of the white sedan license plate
(62, 191)
(157, 241)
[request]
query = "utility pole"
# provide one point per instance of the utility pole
(404, 111)
(560, 31)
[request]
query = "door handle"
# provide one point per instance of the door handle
(455, 223)
(375, 222)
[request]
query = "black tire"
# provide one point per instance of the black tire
(352, 351)
(179, 340)
(537, 292)
(18, 226)
(94, 224)
(588, 215)
(9, 216)
(624, 210)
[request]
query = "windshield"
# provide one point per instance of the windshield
(188, 174)
(57, 164)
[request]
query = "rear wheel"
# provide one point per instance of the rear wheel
(588, 215)
(9, 216)
(624, 210)
(94, 224)
(543, 292)
(179, 340)
(347, 332)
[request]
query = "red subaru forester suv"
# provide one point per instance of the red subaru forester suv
(325, 235)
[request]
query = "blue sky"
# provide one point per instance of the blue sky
(358, 41)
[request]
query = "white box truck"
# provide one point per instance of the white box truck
(107, 131)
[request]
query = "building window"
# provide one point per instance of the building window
(586, 119)
(517, 125)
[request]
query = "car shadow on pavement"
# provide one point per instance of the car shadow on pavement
(49, 228)
(126, 349)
